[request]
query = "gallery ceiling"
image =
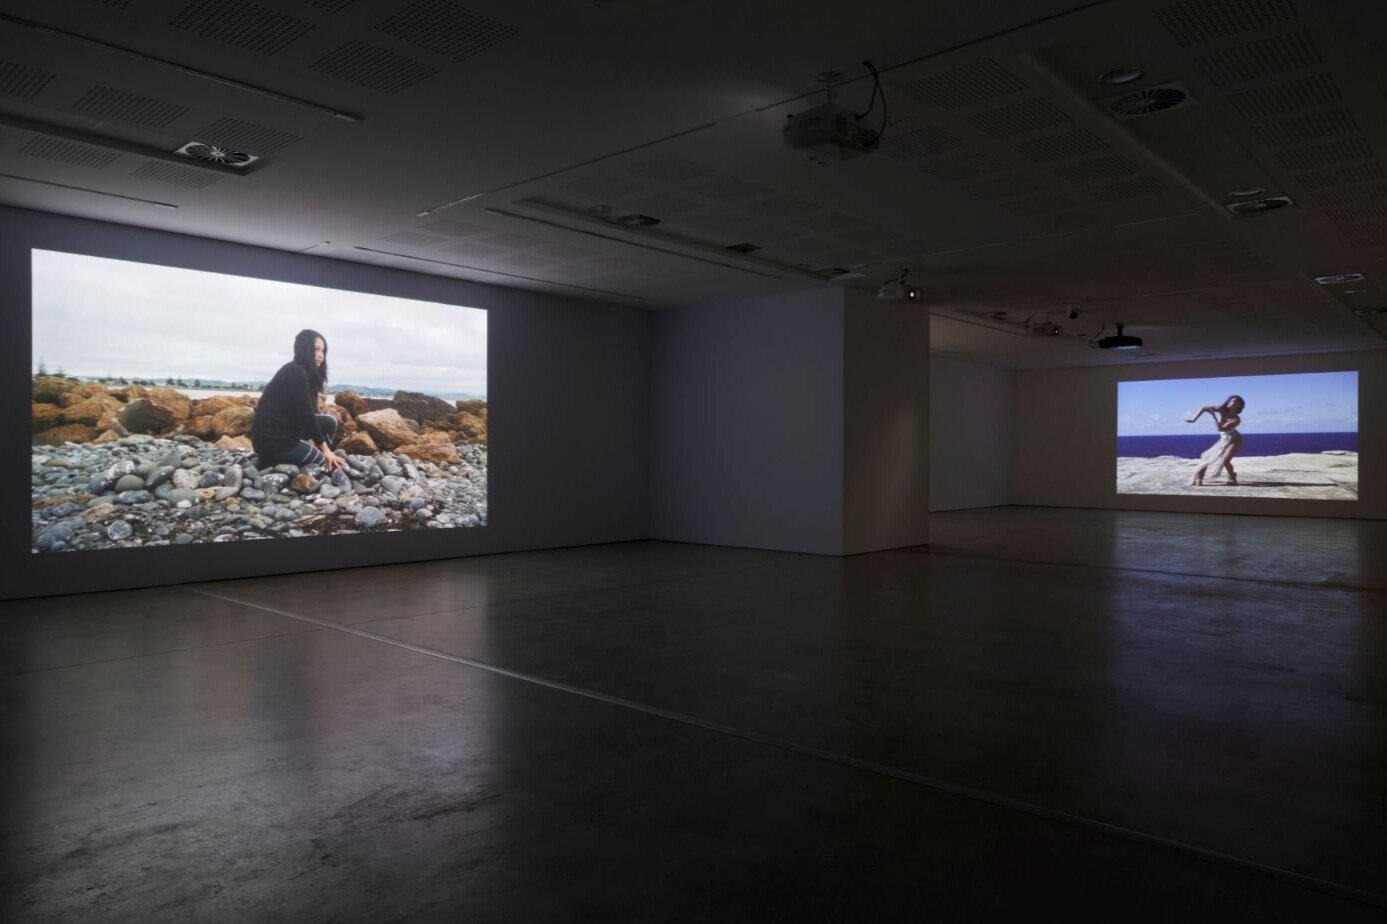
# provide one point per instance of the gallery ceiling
(505, 143)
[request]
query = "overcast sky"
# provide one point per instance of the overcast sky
(1318, 402)
(94, 316)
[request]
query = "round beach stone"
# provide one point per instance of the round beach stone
(129, 483)
(370, 517)
(119, 530)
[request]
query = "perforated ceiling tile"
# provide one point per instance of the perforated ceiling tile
(446, 29)
(190, 177)
(1195, 22)
(246, 136)
(919, 142)
(964, 86)
(1038, 205)
(833, 222)
(1019, 118)
(480, 251)
(414, 238)
(1311, 127)
(1323, 155)
(21, 81)
(967, 166)
(1256, 60)
(660, 205)
(1302, 93)
(780, 206)
(110, 103)
(1070, 221)
(601, 188)
(1358, 212)
(67, 152)
(332, 6)
(1127, 189)
(243, 24)
(512, 241)
(452, 228)
(1341, 176)
(1058, 147)
(1100, 168)
(666, 169)
(527, 259)
(727, 189)
(566, 252)
(1018, 184)
(372, 67)
(715, 222)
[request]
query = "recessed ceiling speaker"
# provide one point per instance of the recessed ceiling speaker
(216, 154)
(1149, 101)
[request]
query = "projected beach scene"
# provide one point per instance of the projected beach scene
(174, 406)
(1272, 436)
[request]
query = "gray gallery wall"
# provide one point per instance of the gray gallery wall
(1065, 433)
(568, 429)
(746, 423)
(970, 435)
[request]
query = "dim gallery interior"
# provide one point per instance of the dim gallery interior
(927, 451)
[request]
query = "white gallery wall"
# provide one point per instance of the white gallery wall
(567, 398)
(1065, 435)
(970, 435)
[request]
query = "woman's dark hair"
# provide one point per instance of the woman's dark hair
(303, 355)
(1231, 398)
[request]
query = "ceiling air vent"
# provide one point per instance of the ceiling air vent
(216, 154)
(1267, 204)
(1149, 101)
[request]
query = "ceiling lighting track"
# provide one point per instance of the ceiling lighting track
(115, 144)
(183, 68)
(94, 192)
(478, 269)
(645, 240)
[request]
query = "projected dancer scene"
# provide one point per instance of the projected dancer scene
(1275, 436)
(174, 406)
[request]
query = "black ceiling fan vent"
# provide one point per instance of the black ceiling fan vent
(1266, 204)
(1149, 101)
(216, 154)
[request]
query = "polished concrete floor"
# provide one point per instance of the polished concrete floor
(1133, 715)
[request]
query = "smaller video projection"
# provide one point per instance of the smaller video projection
(174, 406)
(1292, 437)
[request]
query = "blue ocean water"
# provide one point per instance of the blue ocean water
(1192, 446)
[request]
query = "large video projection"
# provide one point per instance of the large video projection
(1265, 436)
(175, 406)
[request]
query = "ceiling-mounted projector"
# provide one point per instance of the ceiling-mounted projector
(1120, 341)
(828, 133)
(896, 290)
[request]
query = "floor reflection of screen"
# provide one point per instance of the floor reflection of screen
(174, 406)
(1277, 436)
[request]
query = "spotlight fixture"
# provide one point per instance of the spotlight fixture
(1339, 279)
(1117, 76)
(1120, 341)
(1073, 312)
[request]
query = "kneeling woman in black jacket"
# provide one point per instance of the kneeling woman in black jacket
(287, 423)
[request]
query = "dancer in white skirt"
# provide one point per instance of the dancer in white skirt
(1220, 455)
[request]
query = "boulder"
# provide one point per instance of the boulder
(208, 407)
(67, 433)
(145, 415)
(233, 421)
(441, 452)
(359, 443)
(46, 417)
(475, 406)
(201, 427)
(234, 442)
(173, 399)
(129, 392)
(351, 402)
(96, 411)
(49, 389)
(81, 391)
(387, 428)
(471, 428)
(109, 436)
(423, 408)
